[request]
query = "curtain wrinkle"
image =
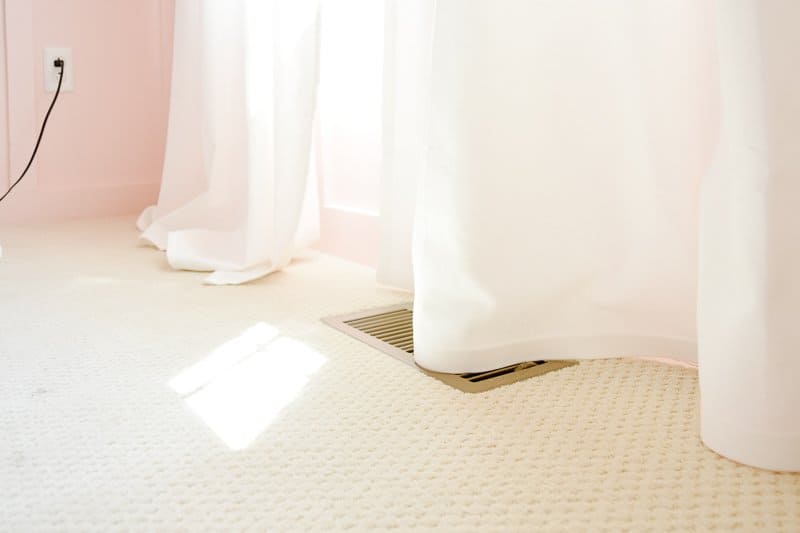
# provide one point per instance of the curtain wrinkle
(406, 111)
(572, 179)
(236, 189)
(570, 157)
(750, 256)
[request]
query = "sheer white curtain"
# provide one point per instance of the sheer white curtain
(749, 342)
(237, 196)
(406, 118)
(589, 180)
(570, 156)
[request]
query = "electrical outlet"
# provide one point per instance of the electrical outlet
(52, 53)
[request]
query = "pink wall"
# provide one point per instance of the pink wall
(349, 149)
(103, 148)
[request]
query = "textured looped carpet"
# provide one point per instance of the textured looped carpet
(135, 398)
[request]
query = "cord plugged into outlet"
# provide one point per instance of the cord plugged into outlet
(51, 68)
(58, 63)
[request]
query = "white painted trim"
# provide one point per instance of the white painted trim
(350, 235)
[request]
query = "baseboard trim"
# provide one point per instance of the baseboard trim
(31, 204)
(351, 235)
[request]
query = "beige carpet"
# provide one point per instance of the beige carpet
(135, 398)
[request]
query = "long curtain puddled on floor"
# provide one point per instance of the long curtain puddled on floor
(580, 161)
(606, 179)
(237, 196)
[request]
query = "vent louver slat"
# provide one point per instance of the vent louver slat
(391, 331)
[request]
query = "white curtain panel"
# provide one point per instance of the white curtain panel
(592, 174)
(238, 197)
(749, 292)
(406, 116)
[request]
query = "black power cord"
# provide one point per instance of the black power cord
(58, 63)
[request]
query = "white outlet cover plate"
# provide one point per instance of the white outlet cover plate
(51, 53)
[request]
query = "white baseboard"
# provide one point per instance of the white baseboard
(351, 235)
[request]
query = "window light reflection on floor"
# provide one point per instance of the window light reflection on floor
(241, 387)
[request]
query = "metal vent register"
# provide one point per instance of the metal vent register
(390, 330)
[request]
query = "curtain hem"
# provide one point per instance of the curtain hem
(778, 452)
(554, 348)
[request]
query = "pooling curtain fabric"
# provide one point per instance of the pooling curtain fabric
(616, 178)
(237, 196)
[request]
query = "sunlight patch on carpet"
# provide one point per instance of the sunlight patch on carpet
(242, 386)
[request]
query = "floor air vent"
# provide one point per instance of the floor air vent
(390, 330)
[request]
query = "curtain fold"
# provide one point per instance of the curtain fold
(575, 179)
(749, 344)
(569, 157)
(237, 196)
(406, 111)
(559, 205)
